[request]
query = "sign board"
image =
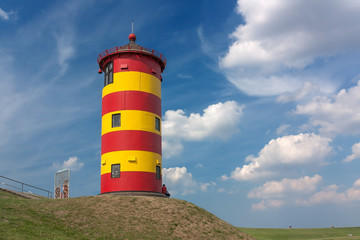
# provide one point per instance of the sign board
(62, 182)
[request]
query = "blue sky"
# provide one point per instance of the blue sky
(260, 101)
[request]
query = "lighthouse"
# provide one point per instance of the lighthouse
(131, 119)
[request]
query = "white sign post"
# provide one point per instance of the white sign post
(62, 183)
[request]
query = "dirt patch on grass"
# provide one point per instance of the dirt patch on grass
(5, 220)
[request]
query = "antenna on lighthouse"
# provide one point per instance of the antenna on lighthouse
(132, 36)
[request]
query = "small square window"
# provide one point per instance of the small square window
(158, 173)
(116, 120)
(157, 123)
(115, 170)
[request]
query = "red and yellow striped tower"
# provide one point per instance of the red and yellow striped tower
(131, 119)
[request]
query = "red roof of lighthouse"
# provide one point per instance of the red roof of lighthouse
(131, 47)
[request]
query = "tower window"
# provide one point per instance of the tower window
(158, 173)
(108, 74)
(115, 170)
(116, 120)
(157, 123)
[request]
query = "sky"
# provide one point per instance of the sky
(260, 101)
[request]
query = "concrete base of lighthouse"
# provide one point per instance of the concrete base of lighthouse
(135, 193)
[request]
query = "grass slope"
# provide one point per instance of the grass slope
(109, 217)
(306, 234)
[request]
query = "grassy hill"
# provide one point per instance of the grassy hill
(109, 217)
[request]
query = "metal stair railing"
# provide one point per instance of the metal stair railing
(49, 194)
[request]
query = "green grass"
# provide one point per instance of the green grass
(18, 220)
(109, 217)
(116, 217)
(306, 234)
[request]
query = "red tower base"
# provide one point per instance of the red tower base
(141, 181)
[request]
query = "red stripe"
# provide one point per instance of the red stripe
(130, 181)
(131, 140)
(131, 100)
(137, 63)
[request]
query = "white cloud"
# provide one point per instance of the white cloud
(171, 147)
(355, 153)
(279, 189)
(330, 194)
(263, 85)
(274, 194)
(264, 204)
(283, 155)
(259, 206)
(218, 121)
(299, 94)
(72, 164)
(277, 193)
(179, 181)
(281, 37)
(204, 44)
(301, 191)
(5, 15)
(65, 47)
(339, 114)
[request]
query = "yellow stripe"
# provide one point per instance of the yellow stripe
(134, 81)
(140, 161)
(130, 120)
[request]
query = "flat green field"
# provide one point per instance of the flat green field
(297, 234)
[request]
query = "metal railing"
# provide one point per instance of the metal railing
(23, 191)
(132, 48)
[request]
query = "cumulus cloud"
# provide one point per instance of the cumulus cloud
(330, 194)
(179, 181)
(217, 121)
(264, 204)
(339, 114)
(279, 189)
(302, 191)
(72, 164)
(283, 155)
(355, 153)
(274, 194)
(281, 37)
